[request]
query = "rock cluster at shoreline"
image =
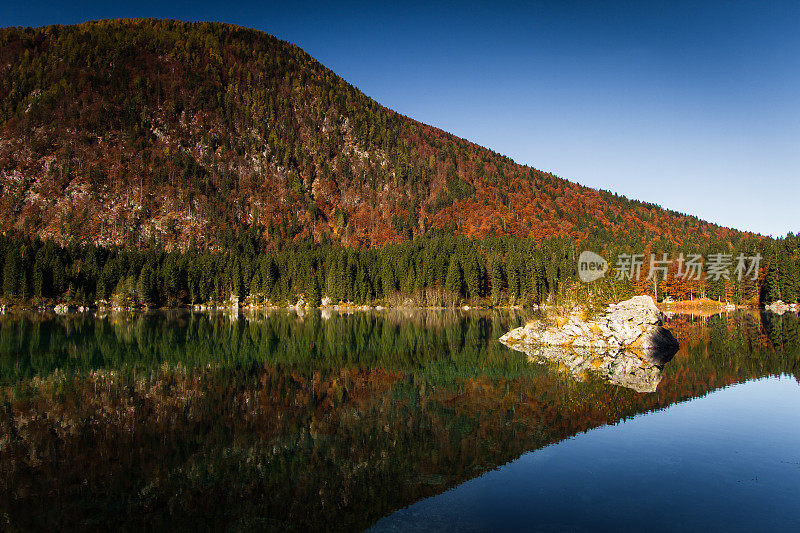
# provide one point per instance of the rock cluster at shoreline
(780, 307)
(627, 345)
(634, 323)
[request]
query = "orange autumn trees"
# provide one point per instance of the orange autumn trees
(142, 131)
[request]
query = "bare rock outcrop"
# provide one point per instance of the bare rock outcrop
(780, 307)
(634, 323)
(627, 345)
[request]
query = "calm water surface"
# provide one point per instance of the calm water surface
(392, 421)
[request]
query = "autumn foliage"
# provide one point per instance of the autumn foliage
(137, 131)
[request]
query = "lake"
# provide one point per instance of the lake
(393, 420)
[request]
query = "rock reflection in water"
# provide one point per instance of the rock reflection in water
(641, 371)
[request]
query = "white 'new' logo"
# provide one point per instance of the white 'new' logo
(591, 266)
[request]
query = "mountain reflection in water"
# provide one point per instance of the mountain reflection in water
(274, 421)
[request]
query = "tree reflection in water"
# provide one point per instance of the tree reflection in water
(276, 421)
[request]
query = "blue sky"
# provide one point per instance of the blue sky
(694, 106)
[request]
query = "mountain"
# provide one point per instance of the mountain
(174, 133)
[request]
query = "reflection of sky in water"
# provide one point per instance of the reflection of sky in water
(727, 461)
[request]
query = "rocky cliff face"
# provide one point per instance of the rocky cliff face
(627, 345)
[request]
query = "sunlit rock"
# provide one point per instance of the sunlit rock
(627, 345)
(632, 323)
(62, 309)
(779, 307)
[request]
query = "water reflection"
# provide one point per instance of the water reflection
(33, 345)
(274, 421)
(638, 370)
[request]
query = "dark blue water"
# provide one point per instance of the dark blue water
(728, 461)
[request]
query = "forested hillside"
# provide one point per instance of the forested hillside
(172, 133)
(167, 163)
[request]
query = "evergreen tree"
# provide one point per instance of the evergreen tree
(454, 279)
(496, 279)
(11, 271)
(772, 292)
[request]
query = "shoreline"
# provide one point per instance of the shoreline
(63, 309)
(702, 310)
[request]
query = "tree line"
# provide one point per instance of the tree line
(435, 270)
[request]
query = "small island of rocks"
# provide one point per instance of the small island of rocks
(627, 345)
